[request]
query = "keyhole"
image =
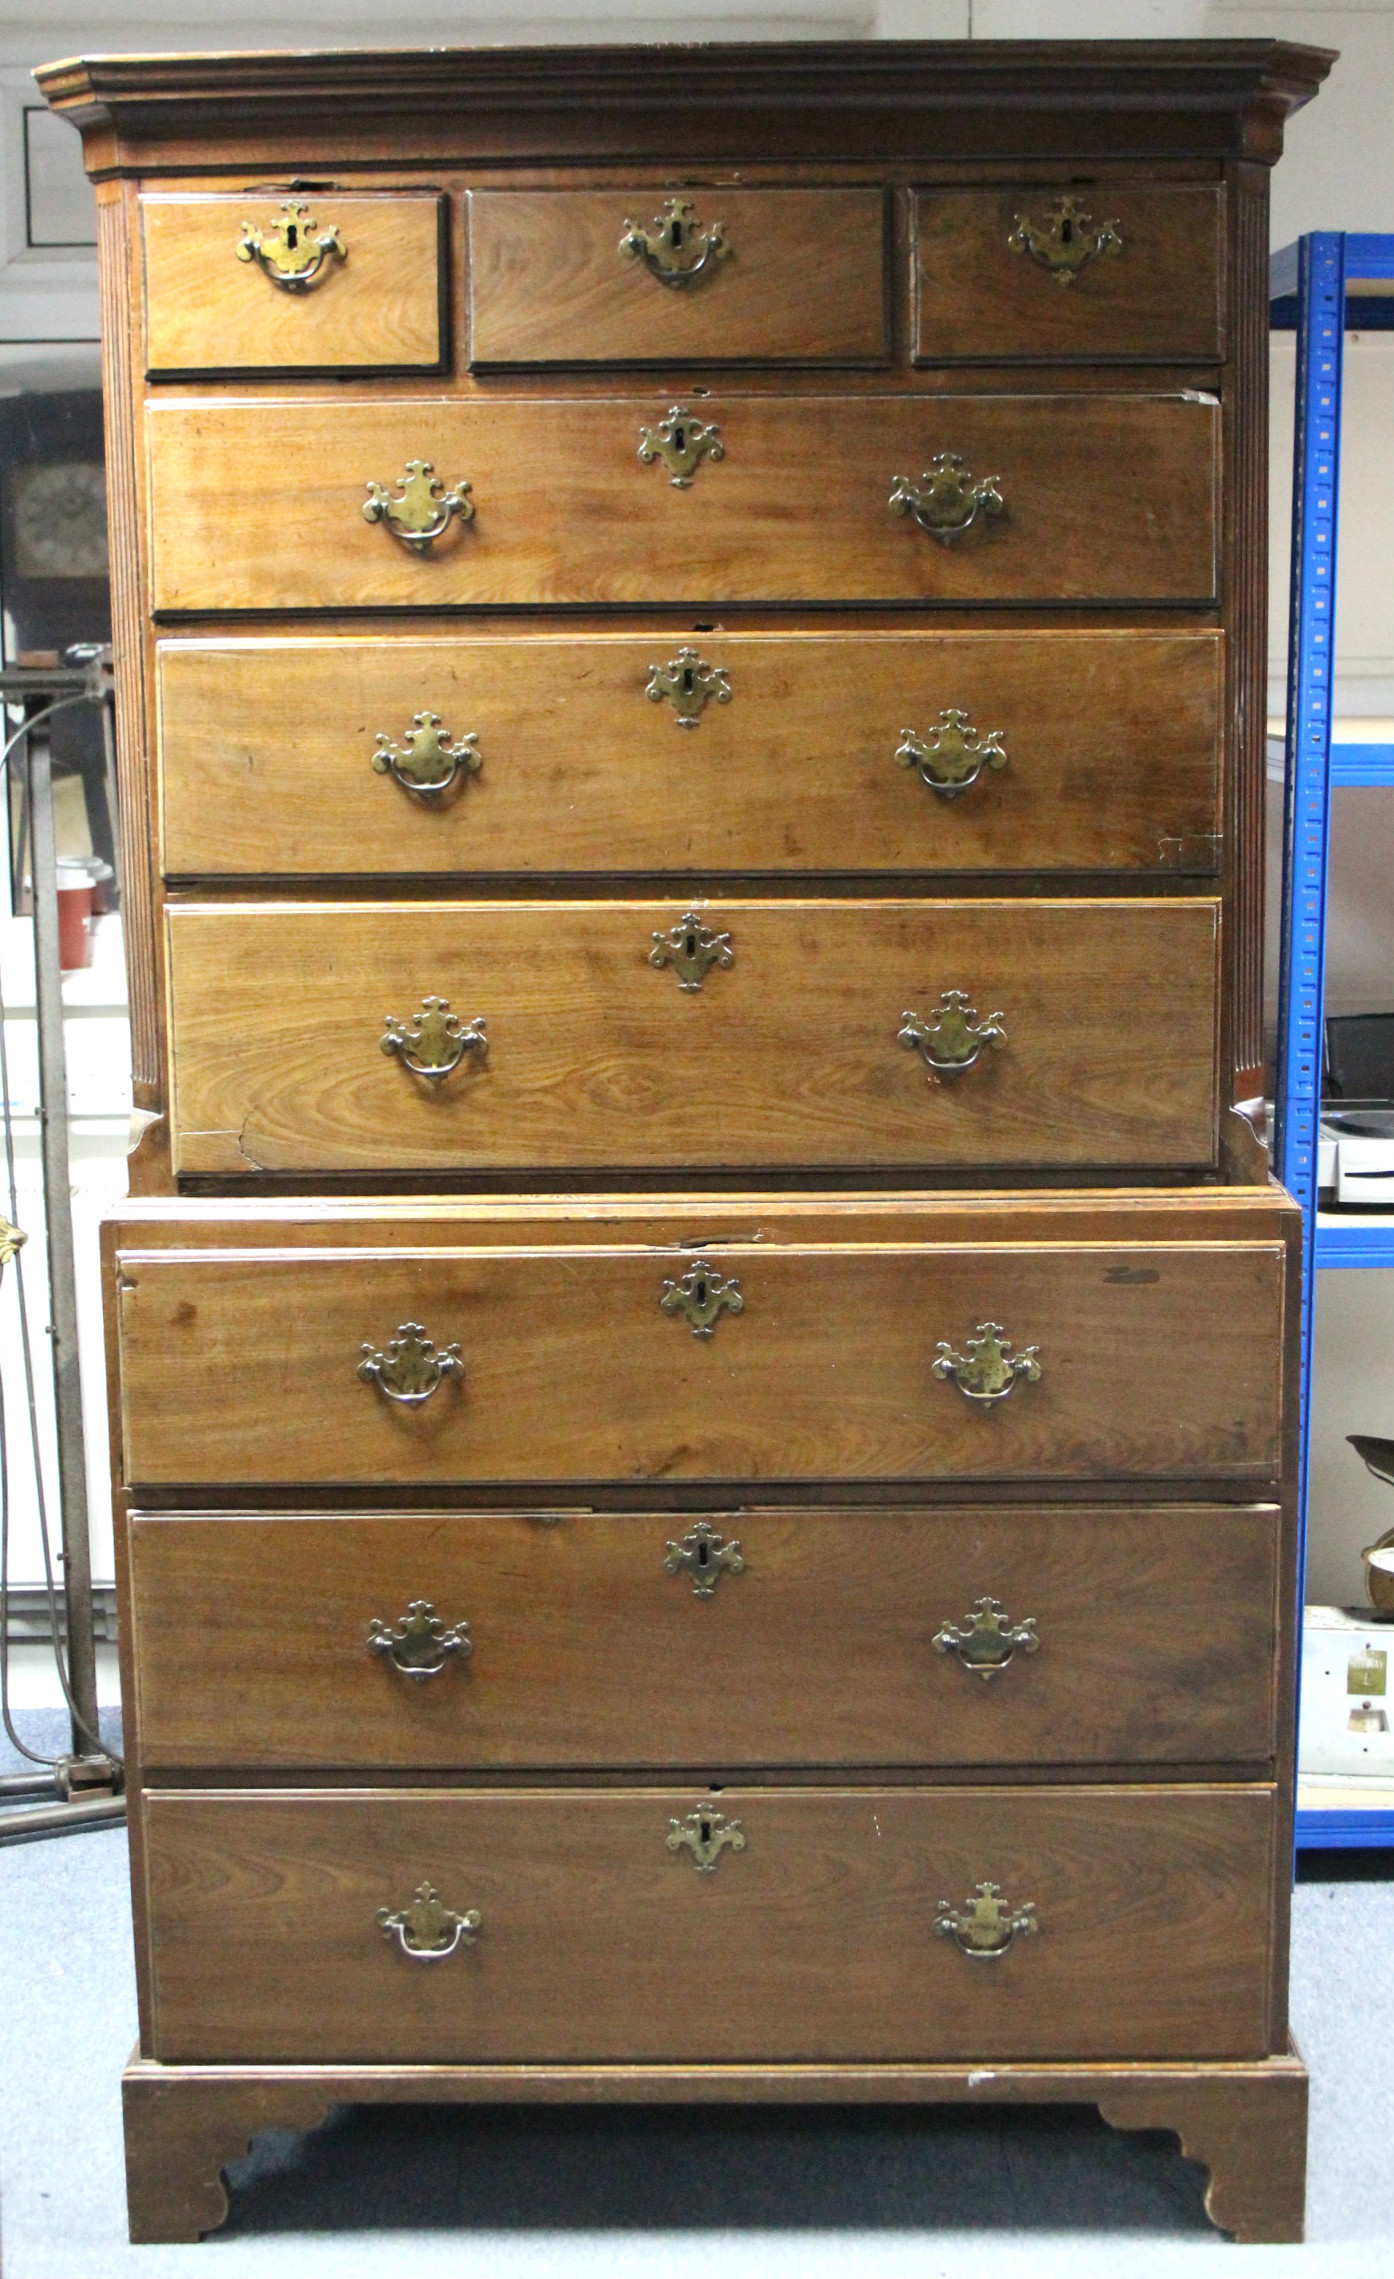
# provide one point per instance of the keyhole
(699, 1292)
(292, 236)
(689, 943)
(706, 1831)
(679, 438)
(675, 236)
(703, 1555)
(688, 680)
(1067, 232)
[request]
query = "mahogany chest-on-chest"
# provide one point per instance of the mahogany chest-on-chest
(702, 1355)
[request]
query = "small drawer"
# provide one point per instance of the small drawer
(449, 1036)
(463, 1640)
(1095, 273)
(691, 751)
(707, 276)
(609, 1348)
(334, 284)
(677, 1924)
(552, 504)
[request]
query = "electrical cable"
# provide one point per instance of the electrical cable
(79, 1723)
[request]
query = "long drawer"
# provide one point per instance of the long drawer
(651, 1034)
(793, 1638)
(685, 1924)
(1098, 498)
(618, 1351)
(678, 751)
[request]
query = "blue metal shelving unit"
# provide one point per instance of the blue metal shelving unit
(1326, 284)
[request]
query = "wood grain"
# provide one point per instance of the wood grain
(1121, 504)
(597, 1058)
(380, 308)
(1112, 740)
(1160, 299)
(803, 283)
(823, 1925)
(1158, 1360)
(1156, 1636)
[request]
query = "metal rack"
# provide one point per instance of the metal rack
(1328, 283)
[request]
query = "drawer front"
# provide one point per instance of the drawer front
(1093, 273)
(644, 1034)
(791, 752)
(1156, 1361)
(371, 297)
(815, 1939)
(716, 277)
(1103, 498)
(749, 1638)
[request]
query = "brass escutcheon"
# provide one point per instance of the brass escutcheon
(704, 1554)
(419, 1645)
(952, 754)
(411, 1367)
(701, 1296)
(989, 1368)
(987, 1924)
(436, 1041)
(428, 1930)
(422, 510)
(953, 1037)
(678, 250)
(691, 949)
(705, 1835)
(428, 759)
(947, 500)
(682, 442)
(292, 250)
(1067, 241)
(987, 1642)
(688, 683)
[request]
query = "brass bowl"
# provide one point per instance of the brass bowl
(1379, 1574)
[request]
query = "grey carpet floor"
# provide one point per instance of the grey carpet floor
(548, 2194)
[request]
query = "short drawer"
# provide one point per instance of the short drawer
(803, 1925)
(701, 752)
(1089, 272)
(641, 1035)
(623, 1353)
(252, 283)
(709, 276)
(1101, 498)
(759, 1638)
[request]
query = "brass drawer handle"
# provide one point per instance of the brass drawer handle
(679, 250)
(428, 1930)
(987, 1924)
(293, 251)
(988, 1640)
(953, 1037)
(411, 1367)
(691, 949)
(705, 1835)
(682, 442)
(947, 499)
(989, 1369)
(702, 1296)
(1067, 241)
(436, 1041)
(428, 759)
(423, 509)
(688, 682)
(952, 755)
(704, 1554)
(419, 1645)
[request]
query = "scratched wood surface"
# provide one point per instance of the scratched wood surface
(1111, 743)
(803, 281)
(1157, 1360)
(596, 1057)
(377, 308)
(1115, 499)
(589, 1644)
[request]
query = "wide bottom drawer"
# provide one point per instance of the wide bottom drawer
(807, 1637)
(693, 1925)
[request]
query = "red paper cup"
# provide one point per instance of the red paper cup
(74, 916)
